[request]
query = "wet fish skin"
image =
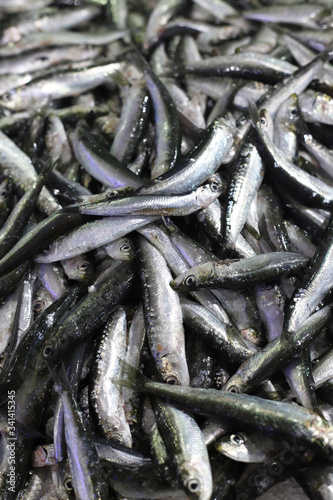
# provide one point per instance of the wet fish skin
(239, 273)
(188, 452)
(159, 237)
(63, 84)
(239, 306)
(275, 96)
(39, 236)
(304, 185)
(49, 20)
(223, 338)
(86, 471)
(249, 65)
(303, 15)
(81, 321)
(106, 397)
(60, 38)
(78, 268)
(5, 200)
(317, 282)
(245, 182)
(199, 164)
(247, 447)
(136, 338)
(163, 316)
(18, 166)
(271, 224)
(99, 162)
(46, 61)
(90, 236)
(133, 121)
(158, 19)
(27, 357)
(277, 353)
(17, 220)
(157, 204)
(275, 418)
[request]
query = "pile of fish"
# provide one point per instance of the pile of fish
(166, 249)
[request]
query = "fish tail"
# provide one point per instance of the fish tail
(132, 378)
(60, 378)
(327, 53)
(253, 111)
(50, 164)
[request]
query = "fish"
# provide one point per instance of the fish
(170, 266)
(239, 273)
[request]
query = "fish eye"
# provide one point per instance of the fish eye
(294, 111)
(117, 438)
(4, 193)
(48, 248)
(263, 120)
(7, 96)
(171, 380)
(126, 247)
(42, 58)
(237, 439)
(193, 485)
(47, 351)
(83, 266)
(214, 186)
(68, 484)
(234, 389)
(190, 280)
(275, 467)
(39, 305)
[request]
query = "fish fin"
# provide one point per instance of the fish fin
(302, 128)
(254, 112)
(45, 170)
(327, 53)
(132, 378)
(60, 379)
(49, 165)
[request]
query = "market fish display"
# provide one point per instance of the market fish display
(166, 233)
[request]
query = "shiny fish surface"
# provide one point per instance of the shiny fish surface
(166, 249)
(240, 273)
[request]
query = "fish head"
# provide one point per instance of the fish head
(209, 192)
(16, 99)
(174, 369)
(48, 252)
(246, 447)
(266, 124)
(120, 431)
(289, 114)
(121, 249)
(191, 279)
(78, 268)
(197, 480)
(261, 120)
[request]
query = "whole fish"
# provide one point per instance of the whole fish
(211, 328)
(238, 274)
(164, 327)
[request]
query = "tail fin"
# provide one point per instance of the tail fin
(327, 53)
(60, 379)
(253, 111)
(132, 378)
